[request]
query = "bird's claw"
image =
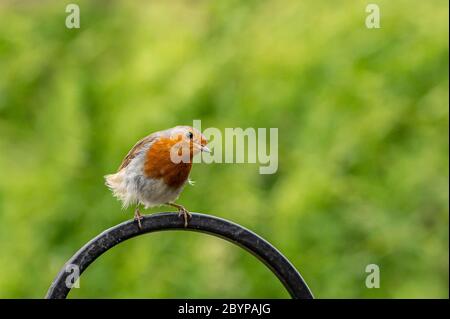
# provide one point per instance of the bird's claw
(187, 216)
(138, 217)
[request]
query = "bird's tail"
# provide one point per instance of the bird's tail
(117, 185)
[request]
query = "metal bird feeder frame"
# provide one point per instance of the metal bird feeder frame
(242, 237)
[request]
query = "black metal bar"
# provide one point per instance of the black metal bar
(219, 227)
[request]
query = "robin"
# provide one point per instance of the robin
(156, 169)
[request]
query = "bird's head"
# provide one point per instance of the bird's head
(188, 137)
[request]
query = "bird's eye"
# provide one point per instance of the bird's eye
(190, 135)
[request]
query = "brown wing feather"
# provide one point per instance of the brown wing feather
(136, 149)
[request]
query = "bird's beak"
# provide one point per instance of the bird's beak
(205, 149)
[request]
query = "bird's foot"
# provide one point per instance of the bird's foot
(138, 217)
(185, 213)
(182, 212)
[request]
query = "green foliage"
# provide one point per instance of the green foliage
(363, 142)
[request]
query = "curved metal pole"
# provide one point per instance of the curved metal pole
(264, 251)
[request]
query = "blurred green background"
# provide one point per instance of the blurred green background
(363, 142)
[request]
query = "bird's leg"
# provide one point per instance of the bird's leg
(138, 216)
(182, 211)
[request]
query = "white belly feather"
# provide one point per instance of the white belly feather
(131, 186)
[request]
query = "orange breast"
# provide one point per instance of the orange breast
(159, 165)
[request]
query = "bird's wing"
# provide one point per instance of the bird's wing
(137, 148)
